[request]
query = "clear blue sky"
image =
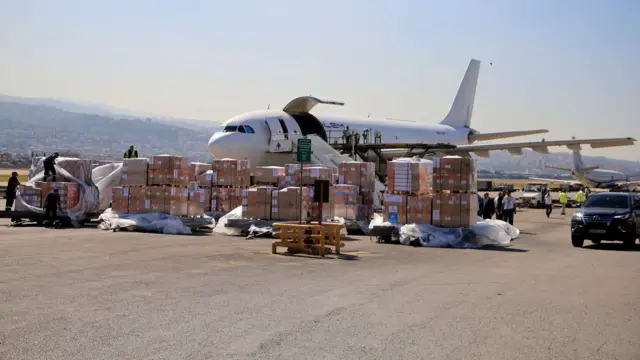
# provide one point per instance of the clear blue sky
(569, 66)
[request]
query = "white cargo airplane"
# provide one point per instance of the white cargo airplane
(591, 176)
(269, 137)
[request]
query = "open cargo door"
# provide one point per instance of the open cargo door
(280, 141)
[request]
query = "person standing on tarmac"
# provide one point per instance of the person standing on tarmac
(488, 207)
(12, 186)
(51, 206)
(49, 165)
(131, 153)
(563, 202)
(509, 206)
(580, 197)
(498, 206)
(548, 203)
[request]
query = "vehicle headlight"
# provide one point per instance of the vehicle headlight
(623, 216)
(578, 216)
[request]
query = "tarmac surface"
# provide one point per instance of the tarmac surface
(94, 294)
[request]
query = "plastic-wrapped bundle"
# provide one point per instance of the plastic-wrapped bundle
(410, 176)
(88, 194)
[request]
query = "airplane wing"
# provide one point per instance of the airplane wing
(506, 134)
(559, 168)
(557, 181)
(538, 146)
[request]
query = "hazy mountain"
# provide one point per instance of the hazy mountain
(106, 110)
(47, 128)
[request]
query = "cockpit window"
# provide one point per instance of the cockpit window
(249, 129)
(241, 129)
(230, 128)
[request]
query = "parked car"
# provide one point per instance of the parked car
(607, 216)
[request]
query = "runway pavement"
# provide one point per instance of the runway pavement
(93, 294)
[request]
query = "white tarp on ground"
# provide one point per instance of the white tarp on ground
(68, 170)
(107, 177)
(222, 222)
(155, 222)
(485, 232)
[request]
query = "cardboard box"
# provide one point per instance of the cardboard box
(410, 176)
(69, 193)
(290, 204)
(256, 202)
(30, 195)
(455, 174)
(419, 209)
(395, 208)
(455, 210)
(271, 175)
(134, 172)
(198, 168)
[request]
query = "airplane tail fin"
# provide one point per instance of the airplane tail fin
(462, 108)
(578, 164)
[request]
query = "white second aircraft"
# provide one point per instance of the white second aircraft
(591, 176)
(269, 137)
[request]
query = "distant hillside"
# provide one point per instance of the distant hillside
(106, 110)
(46, 128)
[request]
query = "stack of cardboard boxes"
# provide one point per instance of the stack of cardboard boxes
(257, 202)
(269, 175)
(168, 170)
(134, 172)
(363, 176)
(69, 193)
(442, 192)
(31, 196)
(409, 193)
(351, 192)
(173, 185)
(36, 195)
(456, 204)
(228, 180)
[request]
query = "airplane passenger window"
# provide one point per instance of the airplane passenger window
(241, 129)
(230, 129)
(249, 129)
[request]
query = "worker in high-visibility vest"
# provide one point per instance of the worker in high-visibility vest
(580, 197)
(131, 153)
(563, 201)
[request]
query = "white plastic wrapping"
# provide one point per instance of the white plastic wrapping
(156, 222)
(76, 168)
(378, 221)
(88, 197)
(107, 177)
(486, 232)
(222, 222)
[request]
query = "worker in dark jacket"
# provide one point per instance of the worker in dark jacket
(49, 165)
(51, 206)
(131, 153)
(488, 207)
(498, 205)
(12, 186)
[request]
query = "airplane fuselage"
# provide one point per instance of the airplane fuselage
(600, 178)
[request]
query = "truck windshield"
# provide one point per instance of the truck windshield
(607, 202)
(533, 188)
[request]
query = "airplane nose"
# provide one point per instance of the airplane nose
(217, 145)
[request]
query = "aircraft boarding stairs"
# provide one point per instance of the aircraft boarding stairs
(324, 154)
